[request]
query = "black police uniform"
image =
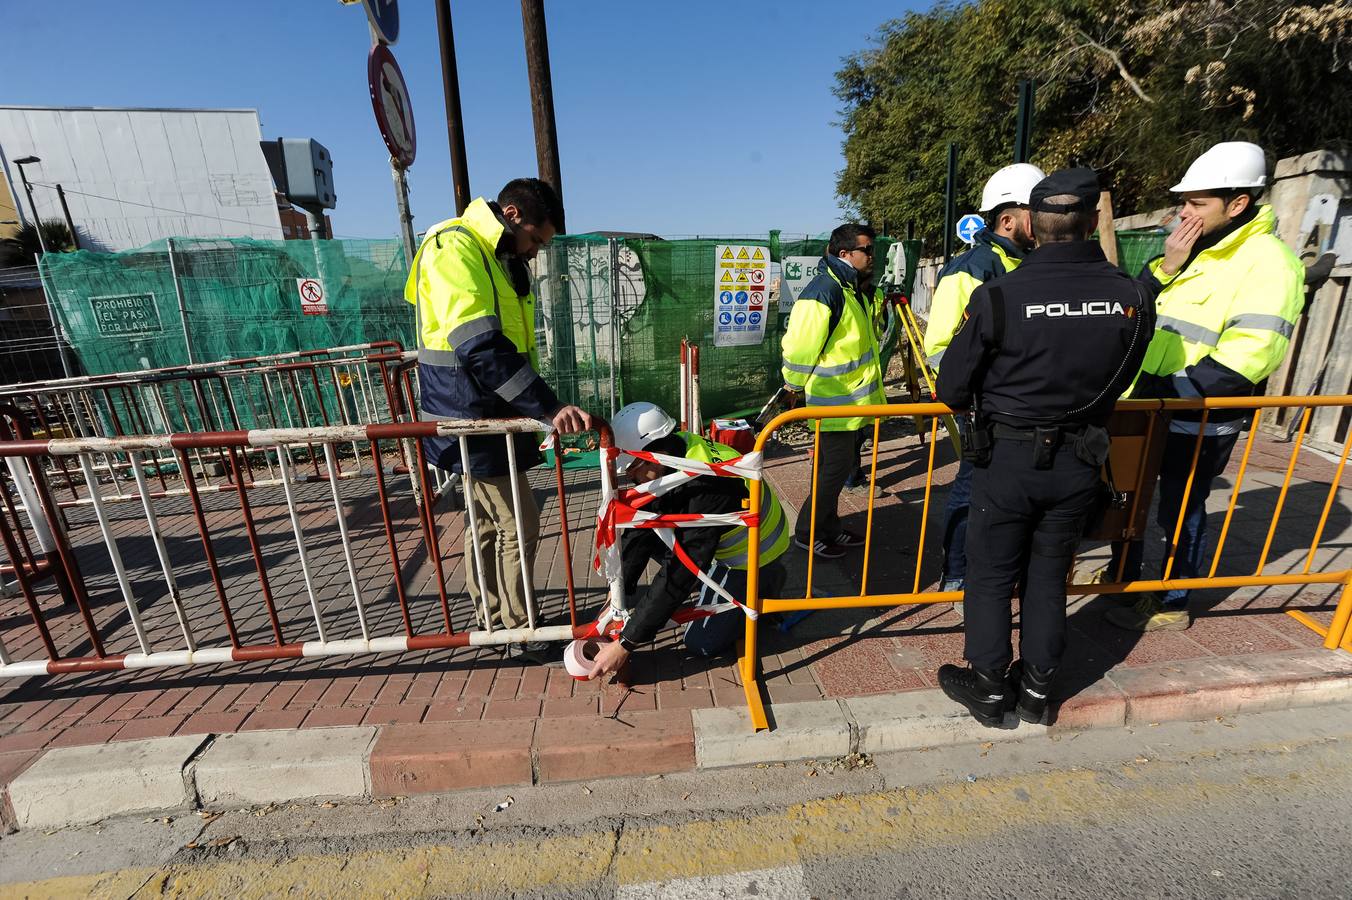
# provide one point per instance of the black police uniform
(1045, 353)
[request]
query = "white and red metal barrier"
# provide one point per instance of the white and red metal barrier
(301, 605)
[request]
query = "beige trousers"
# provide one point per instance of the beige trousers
(500, 548)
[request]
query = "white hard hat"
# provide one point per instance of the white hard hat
(1230, 165)
(638, 425)
(1012, 184)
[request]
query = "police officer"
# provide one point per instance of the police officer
(996, 250)
(1225, 324)
(718, 550)
(477, 360)
(831, 356)
(1045, 353)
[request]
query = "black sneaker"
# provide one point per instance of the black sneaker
(849, 540)
(820, 548)
(1029, 688)
(982, 692)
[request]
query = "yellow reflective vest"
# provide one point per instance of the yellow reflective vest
(476, 338)
(990, 256)
(732, 545)
(830, 350)
(1235, 304)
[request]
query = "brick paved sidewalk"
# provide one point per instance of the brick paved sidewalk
(837, 654)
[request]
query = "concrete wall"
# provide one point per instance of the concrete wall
(1312, 196)
(133, 176)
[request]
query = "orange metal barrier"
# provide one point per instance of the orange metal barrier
(1337, 635)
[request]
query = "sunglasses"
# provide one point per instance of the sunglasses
(867, 249)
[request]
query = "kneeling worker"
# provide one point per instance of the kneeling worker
(1044, 354)
(717, 550)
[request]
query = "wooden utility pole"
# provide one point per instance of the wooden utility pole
(455, 126)
(541, 93)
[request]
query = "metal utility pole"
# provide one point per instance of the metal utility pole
(1023, 127)
(65, 210)
(541, 93)
(950, 199)
(455, 126)
(28, 189)
(405, 217)
(182, 304)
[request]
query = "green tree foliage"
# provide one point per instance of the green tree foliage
(24, 247)
(1134, 88)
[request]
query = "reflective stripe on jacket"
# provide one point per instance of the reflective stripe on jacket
(1236, 305)
(834, 366)
(476, 355)
(989, 257)
(733, 544)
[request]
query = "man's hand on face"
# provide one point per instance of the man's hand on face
(1178, 246)
(574, 420)
(609, 659)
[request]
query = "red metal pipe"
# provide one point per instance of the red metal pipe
(207, 549)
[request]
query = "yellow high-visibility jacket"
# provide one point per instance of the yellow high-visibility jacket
(476, 341)
(989, 257)
(732, 545)
(830, 350)
(1224, 323)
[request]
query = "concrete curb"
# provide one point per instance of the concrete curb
(80, 785)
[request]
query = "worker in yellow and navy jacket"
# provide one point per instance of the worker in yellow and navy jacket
(996, 249)
(1224, 324)
(718, 550)
(831, 358)
(477, 360)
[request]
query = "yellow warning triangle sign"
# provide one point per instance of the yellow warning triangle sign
(743, 254)
(741, 277)
(727, 253)
(727, 276)
(758, 254)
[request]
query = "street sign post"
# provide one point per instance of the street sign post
(384, 16)
(390, 101)
(968, 226)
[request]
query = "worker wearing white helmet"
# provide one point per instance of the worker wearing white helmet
(996, 249)
(717, 550)
(1224, 324)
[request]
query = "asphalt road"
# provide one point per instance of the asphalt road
(1254, 806)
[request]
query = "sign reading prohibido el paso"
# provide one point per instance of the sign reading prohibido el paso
(126, 314)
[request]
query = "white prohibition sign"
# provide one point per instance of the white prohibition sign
(311, 291)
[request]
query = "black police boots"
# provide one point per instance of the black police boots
(982, 691)
(1029, 686)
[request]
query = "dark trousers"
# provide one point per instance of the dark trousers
(838, 456)
(1024, 524)
(1212, 459)
(956, 510)
(716, 634)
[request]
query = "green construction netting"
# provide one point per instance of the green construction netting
(611, 313)
(1136, 248)
(679, 279)
(240, 298)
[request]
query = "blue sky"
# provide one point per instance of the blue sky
(675, 118)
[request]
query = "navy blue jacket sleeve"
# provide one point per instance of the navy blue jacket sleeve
(498, 367)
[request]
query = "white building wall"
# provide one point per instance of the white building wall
(133, 176)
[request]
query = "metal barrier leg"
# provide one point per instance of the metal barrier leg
(1341, 617)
